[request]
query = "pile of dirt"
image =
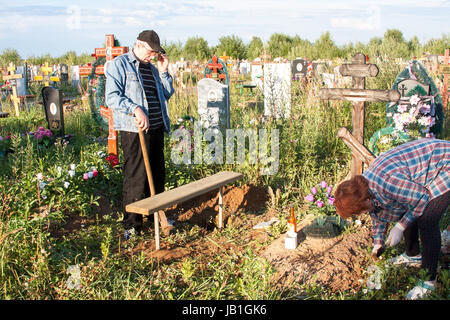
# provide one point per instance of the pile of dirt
(203, 210)
(335, 264)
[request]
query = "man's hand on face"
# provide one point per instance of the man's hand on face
(141, 119)
(163, 62)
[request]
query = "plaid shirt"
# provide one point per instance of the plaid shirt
(404, 179)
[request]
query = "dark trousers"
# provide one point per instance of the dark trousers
(135, 183)
(430, 234)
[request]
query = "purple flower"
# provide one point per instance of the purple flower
(85, 176)
(331, 201)
(323, 184)
(319, 203)
(314, 190)
(309, 198)
(329, 189)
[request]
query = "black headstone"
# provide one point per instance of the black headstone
(299, 67)
(53, 107)
(64, 73)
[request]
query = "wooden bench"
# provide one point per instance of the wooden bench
(186, 192)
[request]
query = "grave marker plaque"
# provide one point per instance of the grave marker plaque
(53, 108)
(213, 104)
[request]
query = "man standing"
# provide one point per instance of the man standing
(137, 92)
(409, 185)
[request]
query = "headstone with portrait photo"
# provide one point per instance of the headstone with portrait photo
(53, 107)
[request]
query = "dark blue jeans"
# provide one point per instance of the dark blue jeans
(135, 182)
(430, 234)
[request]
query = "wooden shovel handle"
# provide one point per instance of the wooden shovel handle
(148, 169)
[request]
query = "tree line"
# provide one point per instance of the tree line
(393, 45)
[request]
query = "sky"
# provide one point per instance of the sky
(54, 27)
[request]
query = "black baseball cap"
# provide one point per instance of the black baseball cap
(152, 38)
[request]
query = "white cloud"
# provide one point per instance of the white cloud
(370, 20)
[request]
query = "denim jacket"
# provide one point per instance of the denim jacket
(124, 91)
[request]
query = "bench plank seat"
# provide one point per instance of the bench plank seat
(186, 192)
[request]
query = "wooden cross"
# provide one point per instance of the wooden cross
(13, 76)
(112, 134)
(358, 95)
(445, 69)
(110, 52)
(46, 76)
(265, 57)
(11, 73)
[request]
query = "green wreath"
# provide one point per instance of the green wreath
(97, 94)
(397, 138)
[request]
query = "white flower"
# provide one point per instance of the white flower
(66, 184)
(101, 154)
(90, 175)
(59, 169)
(414, 99)
(72, 166)
(93, 169)
(365, 291)
(71, 173)
(40, 176)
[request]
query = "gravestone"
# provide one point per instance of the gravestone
(257, 75)
(64, 73)
(213, 104)
(21, 83)
(53, 107)
(277, 89)
(299, 68)
(244, 67)
(75, 76)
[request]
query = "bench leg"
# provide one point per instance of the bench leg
(156, 214)
(220, 207)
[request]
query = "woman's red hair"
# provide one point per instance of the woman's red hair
(350, 196)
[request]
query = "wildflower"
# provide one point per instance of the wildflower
(331, 201)
(329, 189)
(365, 291)
(59, 169)
(309, 198)
(95, 173)
(402, 108)
(90, 175)
(40, 176)
(85, 176)
(71, 173)
(314, 190)
(323, 184)
(66, 184)
(42, 185)
(72, 166)
(319, 203)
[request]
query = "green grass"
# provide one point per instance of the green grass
(34, 260)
